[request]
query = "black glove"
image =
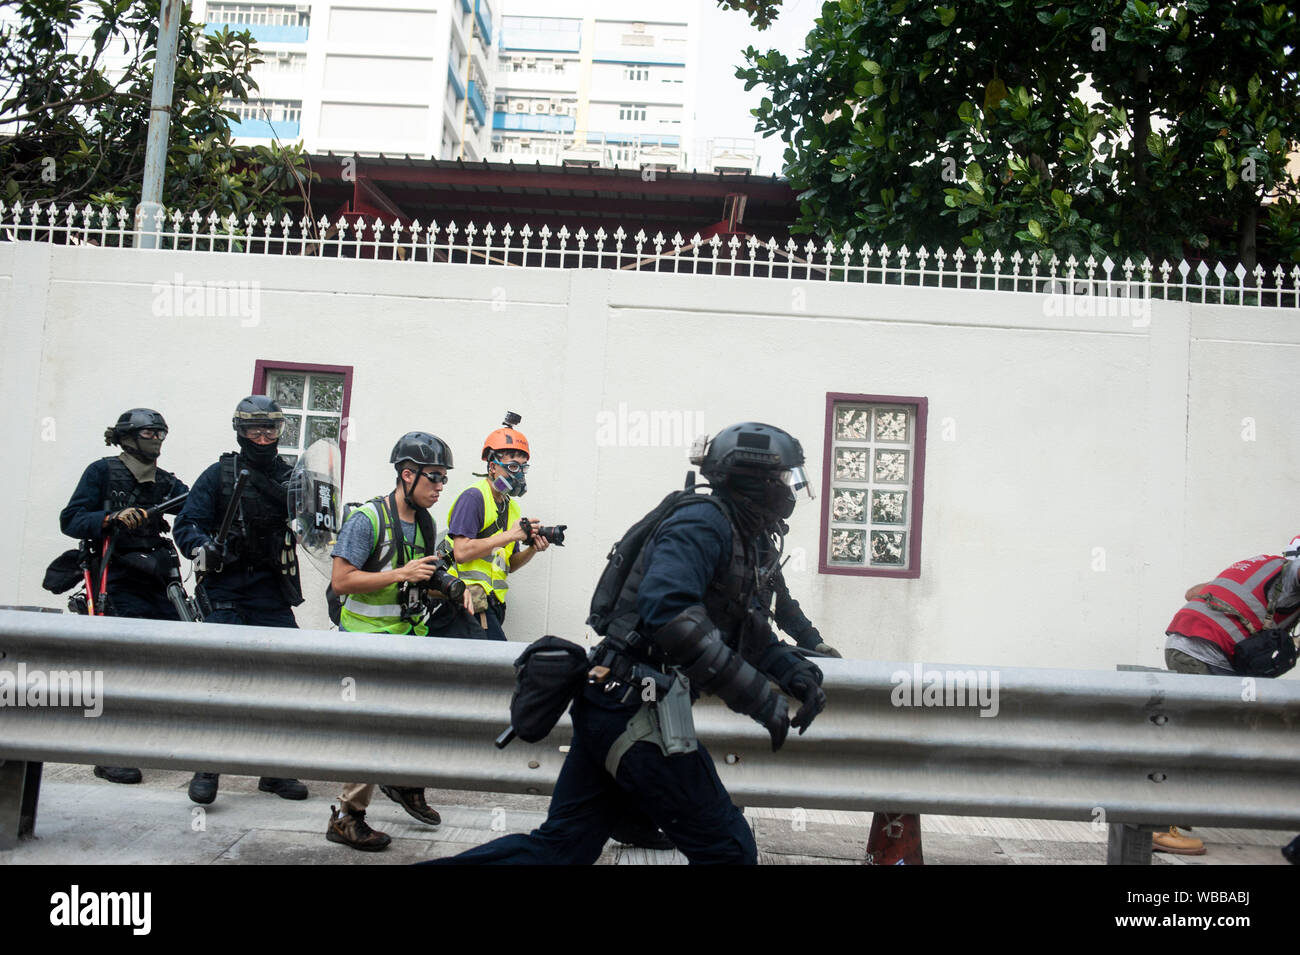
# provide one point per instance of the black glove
(210, 557)
(775, 717)
(129, 517)
(808, 691)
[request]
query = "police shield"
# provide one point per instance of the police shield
(315, 513)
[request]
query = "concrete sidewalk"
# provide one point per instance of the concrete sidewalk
(82, 820)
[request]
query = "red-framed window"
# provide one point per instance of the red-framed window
(316, 400)
(873, 485)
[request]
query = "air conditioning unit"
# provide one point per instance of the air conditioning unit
(284, 56)
(530, 61)
(302, 8)
(524, 142)
(519, 106)
(539, 107)
(638, 28)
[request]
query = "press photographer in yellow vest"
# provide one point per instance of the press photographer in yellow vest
(489, 538)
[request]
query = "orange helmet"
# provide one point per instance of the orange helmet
(505, 439)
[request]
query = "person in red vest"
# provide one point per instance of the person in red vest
(1238, 624)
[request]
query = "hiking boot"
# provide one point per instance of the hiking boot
(118, 774)
(412, 800)
(203, 788)
(1176, 843)
(284, 788)
(641, 836)
(350, 829)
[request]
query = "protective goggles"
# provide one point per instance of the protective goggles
(435, 477)
(152, 434)
(796, 479)
(514, 467)
(263, 429)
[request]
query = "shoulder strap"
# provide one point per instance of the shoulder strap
(428, 530)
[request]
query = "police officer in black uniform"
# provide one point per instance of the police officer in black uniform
(253, 579)
(111, 500)
(695, 588)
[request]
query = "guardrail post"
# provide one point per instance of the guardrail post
(20, 788)
(1129, 843)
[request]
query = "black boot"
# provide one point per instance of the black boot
(203, 788)
(118, 774)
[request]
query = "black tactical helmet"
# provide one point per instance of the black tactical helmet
(257, 410)
(422, 448)
(746, 447)
(137, 419)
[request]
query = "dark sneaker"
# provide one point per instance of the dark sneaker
(412, 800)
(203, 788)
(1291, 851)
(641, 836)
(118, 774)
(350, 829)
(284, 788)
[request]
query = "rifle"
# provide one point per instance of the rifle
(223, 534)
(106, 549)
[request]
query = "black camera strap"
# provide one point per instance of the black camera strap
(423, 521)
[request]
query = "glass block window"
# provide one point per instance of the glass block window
(314, 398)
(875, 460)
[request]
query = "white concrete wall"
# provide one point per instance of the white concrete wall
(1081, 472)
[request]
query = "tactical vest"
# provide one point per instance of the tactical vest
(264, 540)
(490, 572)
(1233, 606)
(727, 600)
(123, 491)
(379, 611)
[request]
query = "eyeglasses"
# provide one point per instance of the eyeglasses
(434, 477)
(150, 434)
(514, 467)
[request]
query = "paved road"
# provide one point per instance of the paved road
(84, 820)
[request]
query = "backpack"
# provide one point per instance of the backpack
(423, 520)
(610, 615)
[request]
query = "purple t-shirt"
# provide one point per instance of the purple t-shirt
(467, 515)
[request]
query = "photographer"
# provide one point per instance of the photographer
(485, 528)
(387, 588)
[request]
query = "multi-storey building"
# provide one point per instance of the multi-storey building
(404, 77)
(602, 84)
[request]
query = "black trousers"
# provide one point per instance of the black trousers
(681, 794)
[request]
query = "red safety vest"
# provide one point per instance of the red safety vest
(1233, 606)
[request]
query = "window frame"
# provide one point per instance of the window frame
(262, 369)
(916, 486)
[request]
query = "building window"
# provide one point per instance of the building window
(270, 110)
(259, 14)
(634, 113)
(874, 469)
(315, 400)
(636, 74)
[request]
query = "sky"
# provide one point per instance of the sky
(723, 105)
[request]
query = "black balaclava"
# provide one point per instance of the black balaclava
(769, 501)
(259, 456)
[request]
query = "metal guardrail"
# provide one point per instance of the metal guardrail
(1064, 744)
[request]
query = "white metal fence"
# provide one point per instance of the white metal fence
(802, 259)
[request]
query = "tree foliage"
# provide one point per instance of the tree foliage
(76, 79)
(1111, 126)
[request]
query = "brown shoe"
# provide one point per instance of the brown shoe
(411, 798)
(1175, 842)
(350, 829)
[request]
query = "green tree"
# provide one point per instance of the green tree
(76, 80)
(1105, 127)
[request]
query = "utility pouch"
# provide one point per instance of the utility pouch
(1269, 653)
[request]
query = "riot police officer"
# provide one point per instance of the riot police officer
(251, 578)
(112, 500)
(694, 587)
